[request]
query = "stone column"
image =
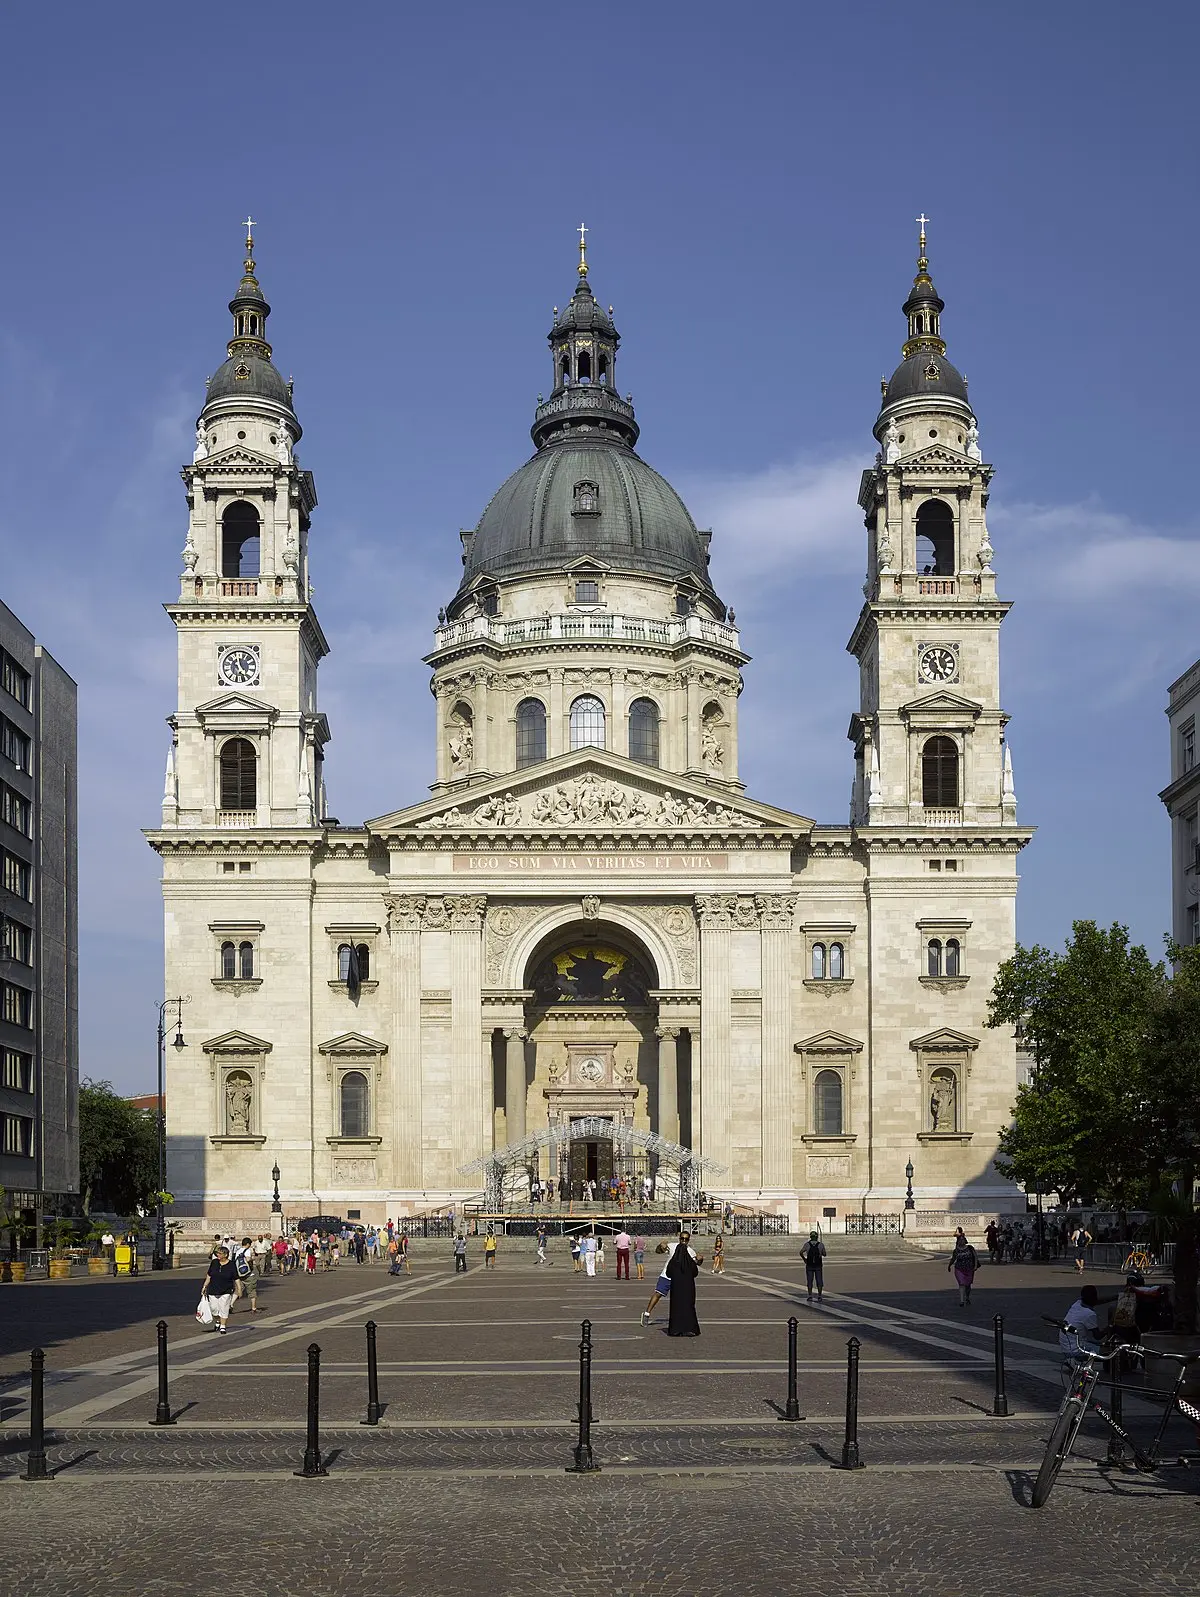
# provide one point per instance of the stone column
(693, 761)
(443, 757)
(470, 1095)
(716, 912)
(404, 931)
(481, 759)
(515, 1090)
(556, 732)
(668, 1082)
(775, 915)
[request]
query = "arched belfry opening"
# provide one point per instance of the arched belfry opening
(593, 1073)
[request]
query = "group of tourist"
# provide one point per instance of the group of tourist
(615, 1190)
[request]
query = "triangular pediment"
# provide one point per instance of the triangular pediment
(352, 1042)
(829, 1042)
(945, 1039)
(592, 790)
(936, 457)
(941, 702)
(234, 704)
(236, 1042)
(236, 456)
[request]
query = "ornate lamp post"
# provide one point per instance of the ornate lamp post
(276, 1206)
(159, 1260)
(909, 1201)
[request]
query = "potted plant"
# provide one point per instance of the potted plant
(60, 1251)
(99, 1257)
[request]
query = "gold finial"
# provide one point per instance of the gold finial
(250, 225)
(922, 262)
(583, 232)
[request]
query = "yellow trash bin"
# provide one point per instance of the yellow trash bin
(124, 1253)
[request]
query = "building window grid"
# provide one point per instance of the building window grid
(16, 941)
(16, 810)
(15, 680)
(1187, 746)
(1193, 925)
(643, 732)
(16, 1005)
(939, 774)
(16, 1070)
(14, 745)
(17, 877)
(531, 733)
(827, 1103)
(355, 1104)
(363, 954)
(17, 1135)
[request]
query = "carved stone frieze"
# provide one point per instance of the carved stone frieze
(503, 923)
(679, 923)
(591, 800)
(591, 907)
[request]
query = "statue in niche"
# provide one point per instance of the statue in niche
(239, 1099)
(461, 747)
(973, 450)
(712, 750)
(891, 443)
(942, 1102)
(283, 448)
(201, 450)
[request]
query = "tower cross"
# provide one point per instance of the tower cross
(250, 226)
(921, 221)
(583, 232)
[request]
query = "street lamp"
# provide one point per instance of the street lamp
(909, 1200)
(276, 1206)
(159, 1260)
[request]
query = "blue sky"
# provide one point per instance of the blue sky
(749, 175)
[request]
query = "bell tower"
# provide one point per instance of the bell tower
(929, 734)
(247, 737)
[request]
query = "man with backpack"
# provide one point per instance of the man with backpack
(247, 1276)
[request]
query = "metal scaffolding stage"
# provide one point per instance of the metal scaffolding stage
(677, 1173)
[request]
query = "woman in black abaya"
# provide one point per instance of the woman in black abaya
(682, 1269)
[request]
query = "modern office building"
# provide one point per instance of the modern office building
(1182, 799)
(39, 1009)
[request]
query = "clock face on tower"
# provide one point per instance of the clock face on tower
(937, 664)
(239, 667)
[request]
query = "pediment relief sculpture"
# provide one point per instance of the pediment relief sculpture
(591, 800)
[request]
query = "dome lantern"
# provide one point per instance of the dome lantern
(247, 373)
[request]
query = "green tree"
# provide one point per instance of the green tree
(118, 1150)
(1172, 1087)
(1080, 1126)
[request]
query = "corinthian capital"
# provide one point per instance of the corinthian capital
(465, 911)
(776, 910)
(716, 910)
(404, 911)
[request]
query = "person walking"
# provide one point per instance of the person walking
(964, 1263)
(489, 1250)
(682, 1269)
(360, 1244)
(310, 1257)
(623, 1244)
(576, 1255)
(662, 1286)
(639, 1256)
(280, 1250)
(460, 1254)
(1081, 1241)
(219, 1286)
(992, 1237)
(813, 1254)
(247, 1276)
(598, 1250)
(541, 1244)
(718, 1255)
(588, 1248)
(403, 1255)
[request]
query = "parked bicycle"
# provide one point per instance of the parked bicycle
(1140, 1259)
(1084, 1368)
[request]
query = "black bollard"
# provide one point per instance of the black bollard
(372, 1378)
(585, 1464)
(792, 1411)
(312, 1446)
(585, 1332)
(1000, 1401)
(162, 1414)
(850, 1458)
(1116, 1447)
(35, 1469)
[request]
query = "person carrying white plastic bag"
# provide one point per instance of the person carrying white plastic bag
(204, 1311)
(219, 1286)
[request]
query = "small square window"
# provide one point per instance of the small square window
(951, 864)
(587, 592)
(228, 867)
(935, 865)
(244, 867)
(353, 1214)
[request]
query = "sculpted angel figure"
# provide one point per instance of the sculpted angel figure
(712, 751)
(238, 1099)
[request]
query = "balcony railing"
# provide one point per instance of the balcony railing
(942, 587)
(587, 624)
(237, 817)
(942, 817)
(239, 590)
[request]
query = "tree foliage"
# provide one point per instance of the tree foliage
(118, 1150)
(1112, 1113)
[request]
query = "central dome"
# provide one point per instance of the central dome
(586, 498)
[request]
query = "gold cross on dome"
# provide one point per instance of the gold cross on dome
(583, 232)
(250, 226)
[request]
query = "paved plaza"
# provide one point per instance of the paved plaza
(462, 1487)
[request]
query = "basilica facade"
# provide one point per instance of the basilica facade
(589, 950)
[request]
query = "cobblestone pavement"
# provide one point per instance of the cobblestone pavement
(869, 1534)
(463, 1487)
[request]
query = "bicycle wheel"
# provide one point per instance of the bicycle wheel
(1067, 1422)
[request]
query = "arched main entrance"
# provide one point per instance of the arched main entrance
(591, 1063)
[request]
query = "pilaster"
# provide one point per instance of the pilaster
(775, 912)
(404, 932)
(470, 1094)
(716, 911)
